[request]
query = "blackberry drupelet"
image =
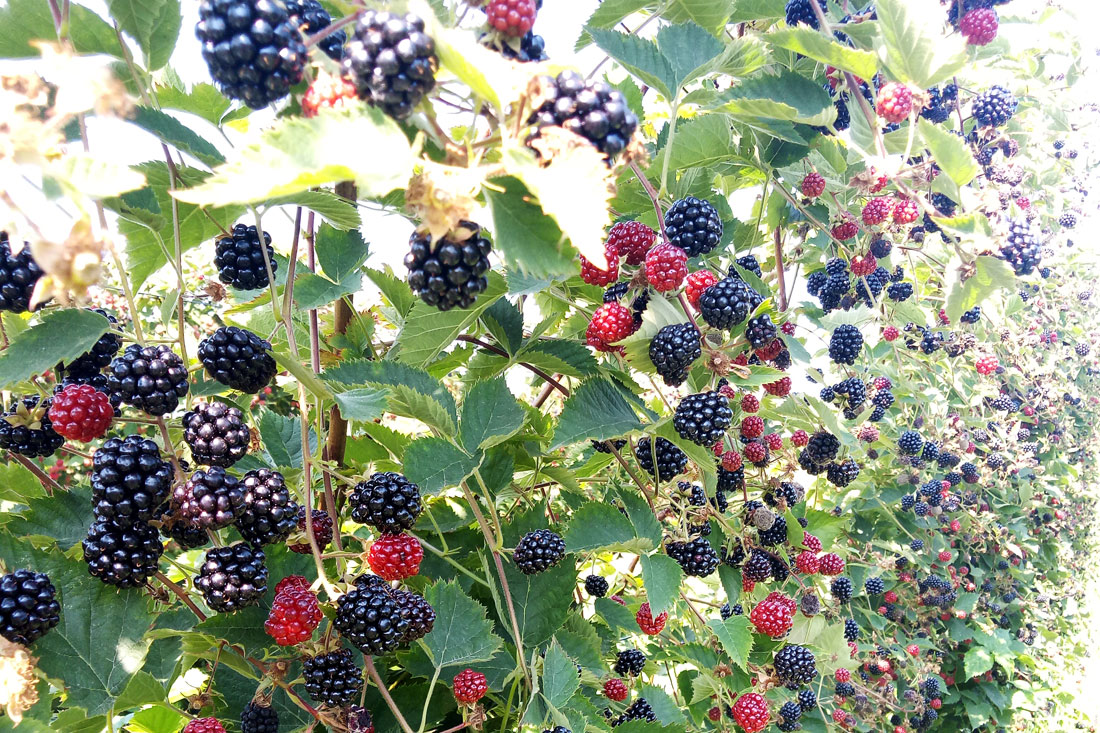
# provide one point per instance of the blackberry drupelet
(696, 557)
(257, 718)
(232, 577)
(800, 11)
(910, 443)
(417, 612)
(693, 225)
(760, 331)
(670, 460)
(845, 344)
(240, 258)
(673, 350)
(18, 276)
(841, 588)
(795, 664)
(728, 302)
(312, 17)
(387, 501)
(629, 662)
(26, 429)
(268, 514)
(452, 272)
(333, 678)
(216, 434)
(994, 107)
(593, 110)
(125, 557)
(210, 498)
(703, 418)
(28, 606)
(92, 362)
(130, 481)
(1022, 249)
(538, 551)
(370, 618)
(596, 586)
(238, 358)
(391, 61)
(151, 378)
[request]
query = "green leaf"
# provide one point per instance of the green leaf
(951, 153)
(615, 616)
(142, 689)
(408, 402)
(396, 290)
(741, 57)
(62, 518)
(339, 214)
(795, 533)
(313, 291)
(462, 634)
(427, 330)
(600, 526)
(85, 174)
(990, 275)
(735, 637)
(709, 14)
(641, 516)
(912, 44)
(813, 44)
(528, 240)
(490, 415)
(169, 130)
(505, 322)
(789, 96)
(542, 601)
(154, 24)
(640, 57)
(282, 438)
(977, 661)
(61, 335)
(364, 404)
(559, 676)
(701, 141)
(442, 464)
(25, 21)
(564, 357)
(689, 48)
(745, 11)
(18, 484)
(394, 374)
(661, 576)
(595, 410)
(668, 711)
(202, 100)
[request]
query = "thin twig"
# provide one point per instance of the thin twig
(181, 594)
(653, 196)
(779, 270)
(369, 663)
(501, 352)
(47, 483)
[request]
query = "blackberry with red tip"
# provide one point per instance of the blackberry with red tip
(593, 110)
(673, 350)
(728, 302)
(210, 498)
(257, 718)
(370, 618)
(1022, 249)
(670, 460)
(845, 344)
(18, 276)
(760, 331)
(693, 225)
(994, 107)
(122, 556)
(238, 358)
(312, 18)
(387, 501)
(418, 613)
(130, 481)
(392, 61)
(333, 678)
(233, 577)
(26, 428)
(240, 258)
(538, 551)
(28, 606)
(703, 418)
(596, 586)
(216, 434)
(322, 531)
(97, 358)
(629, 662)
(268, 514)
(452, 272)
(696, 557)
(151, 378)
(801, 11)
(795, 664)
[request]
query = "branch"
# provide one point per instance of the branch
(653, 196)
(181, 594)
(501, 352)
(369, 662)
(779, 270)
(47, 483)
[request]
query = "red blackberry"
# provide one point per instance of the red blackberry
(395, 556)
(595, 275)
(845, 344)
(291, 581)
(216, 434)
(673, 350)
(28, 606)
(697, 282)
(703, 418)
(210, 498)
(647, 623)
(322, 531)
(369, 618)
(387, 501)
(994, 107)
(774, 616)
(610, 323)
(294, 614)
(905, 211)
(596, 586)
(752, 426)
(538, 551)
(728, 302)
(26, 428)
(18, 276)
(452, 272)
(204, 725)
(807, 562)
(760, 331)
(328, 91)
(779, 388)
(831, 564)
(877, 210)
(239, 258)
(696, 557)
(97, 381)
(125, 557)
(470, 686)
(693, 225)
(130, 481)
(238, 358)
(629, 662)
(259, 718)
(986, 365)
(417, 612)
(799, 438)
(267, 514)
(511, 17)
(615, 689)
(756, 453)
(102, 352)
(751, 709)
(312, 17)
(80, 412)
(665, 267)
(151, 378)
(846, 228)
(813, 185)
(333, 678)
(392, 61)
(894, 102)
(979, 26)
(593, 110)
(661, 459)
(233, 577)
(631, 239)
(795, 664)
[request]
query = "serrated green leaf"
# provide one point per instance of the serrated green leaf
(708, 14)
(541, 601)
(396, 290)
(25, 21)
(490, 415)
(339, 214)
(640, 57)
(746, 11)
(641, 516)
(912, 43)
(154, 24)
(977, 661)
(795, 533)
(616, 616)
(436, 464)
(365, 403)
(394, 374)
(202, 100)
(559, 676)
(661, 576)
(313, 291)
(668, 711)
(462, 634)
(505, 322)
(607, 15)
(18, 484)
(594, 410)
(788, 96)
(599, 526)
(282, 439)
(990, 274)
(427, 330)
(61, 335)
(84, 174)
(689, 48)
(813, 44)
(701, 141)
(168, 129)
(952, 155)
(735, 637)
(568, 358)
(62, 517)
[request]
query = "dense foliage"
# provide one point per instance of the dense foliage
(751, 387)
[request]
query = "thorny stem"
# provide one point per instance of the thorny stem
(779, 270)
(654, 197)
(47, 483)
(368, 661)
(328, 30)
(180, 593)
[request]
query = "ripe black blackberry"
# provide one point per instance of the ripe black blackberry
(790, 712)
(238, 358)
(696, 557)
(268, 514)
(257, 718)
(28, 606)
(93, 361)
(994, 107)
(807, 699)
(1068, 220)
(884, 398)
(253, 49)
(232, 577)
(703, 418)
(801, 11)
(391, 61)
(760, 330)
(417, 612)
(844, 689)
(910, 443)
(333, 678)
(670, 460)
(899, 292)
(843, 473)
(874, 586)
(451, 272)
(216, 434)
(18, 276)
(593, 110)
(187, 535)
(775, 534)
(240, 258)
(312, 17)
(601, 446)
(673, 350)
(747, 262)
(845, 344)
(130, 481)
(151, 378)
(972, 316)
(795, 664)
(532, 47)
(640, 709)
(728, 302)
(387, 501)
(758, 567)
(210, 498)
(693, 225)
(730, 480)
(370, 618)
(629, 662)
(822, 446)
(25, 428)
(1022, 249)
(538, 551)
(120, 556)
(596, 586)
(841, 588)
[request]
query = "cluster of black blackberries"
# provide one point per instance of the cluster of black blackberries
(673, 350)
(595, 111)
(391, 61)
(452, 272)
(18, 276)
(1022, 249)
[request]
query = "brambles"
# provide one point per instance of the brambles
(894, 103)
(312, 17)
(122, 556)
(322, 531)
(610, 323)
(728, 303)
(267, 514)
(629, 662)
(392, 61)
(452, 272)
(660, 458)
(596, 586)
(294, 615)
(257, 718)
(994, 107)
(673, 350)
(395, 556)
(210, 498)
(631, 239)
(665, 267)
(130, 481)
(696, 557)
(702, 418)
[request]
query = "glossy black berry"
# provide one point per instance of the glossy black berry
(268, 514)
(874, 586)
(760, 331)
(531, 47)
(843, 473)
(231, 578)
(994, 107)
(790, 712)
(25, 428)
(841, 588)
(333, 679)
(851, 629)
(151, 378)
(538, 551)
(387, 501)
(673, 350)
(747, 262)
(629, 662)
(703, 418)
(125, 557)
(822, 446)
(210, 498)
(728, 302)
(845, 344)
(451, 272)
(794, 663)
(417, 612)
(593, 110)
(661, 458)
(696, 557)
(240, 258)
(18, 276)
(640, 709)
(758, 567)
(257, 718)
(93, 361)
(596, 586)
(130, 480)
(391, 61)
(216, 434)
(910, 443)
(800, 11)
(238, 358)
(28, 606)
(1022, 249)
(370, 618)
(312, 17)
(693, 225)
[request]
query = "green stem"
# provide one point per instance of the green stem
(668, 145)
(427, 701)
